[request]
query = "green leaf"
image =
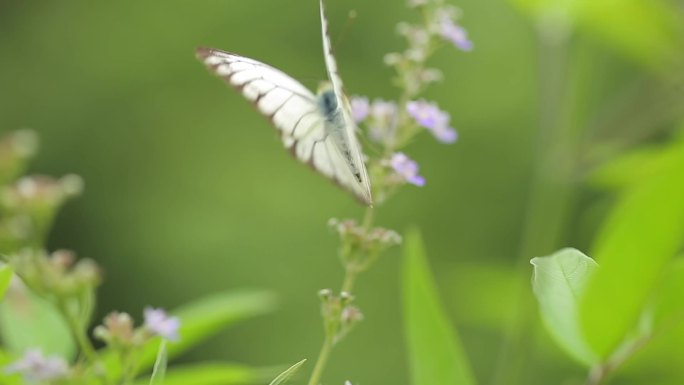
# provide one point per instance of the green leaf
(5, 278)
(434, 349)
(200, 320)
(213, 374)
(14, 379)
(644, 30)
(638, 240)
(28, 321)
(159, 369)
(668, 308)
(558, 282)
(287, 374)
(632, 167)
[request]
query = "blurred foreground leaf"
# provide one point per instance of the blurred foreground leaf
(647, 31)
(287, 374)
(7, 359)
(558, 282)
(211, 374)
(668, 310)
(5, 277)
(434, 349)
(28, 321)
(200, 320)
(638, 240)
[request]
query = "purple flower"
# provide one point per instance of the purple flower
(159, 323)
(359, 108)
(435, 120)
(455, 34)
(407, 169)
(35, 367)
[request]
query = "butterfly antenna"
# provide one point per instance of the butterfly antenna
(351, 17)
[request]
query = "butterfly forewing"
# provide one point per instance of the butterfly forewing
(354, 158)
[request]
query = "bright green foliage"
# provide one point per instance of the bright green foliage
(287, 374)
(434, 349)
(633, 167)
(668, 309)
(638, 240)
(159, 370)
(211, 374)
(5, 277)
(558, 282)
(28, 321)
(644, 30)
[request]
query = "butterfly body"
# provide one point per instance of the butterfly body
(317, 129)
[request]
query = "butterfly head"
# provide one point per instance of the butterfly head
(327, 100)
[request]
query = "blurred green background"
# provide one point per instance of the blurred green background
(188, 190)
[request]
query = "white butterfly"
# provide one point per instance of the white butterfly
(318, 129)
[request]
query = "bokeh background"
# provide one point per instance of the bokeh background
(189, 192)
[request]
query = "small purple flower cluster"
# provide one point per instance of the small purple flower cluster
(35, 367)
(392, 125)
(382, 117)
(161, 324)
(446, 26)
(407, 168)
(435, 120)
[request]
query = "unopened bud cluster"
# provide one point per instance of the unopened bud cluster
(117, 329)
(339, 314)
(57, 273)
(360, 246)
(28, 204)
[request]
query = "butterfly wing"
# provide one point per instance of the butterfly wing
(355, 158)
(292, 109)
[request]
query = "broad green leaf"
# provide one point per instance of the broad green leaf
(632, 167)
(28, 321)
(159, 369)
(637, 241)
(668, 307)
(434, 349)
(5, 278)
(213, 374)
(558, 282)
(287, 374)
(200, 320)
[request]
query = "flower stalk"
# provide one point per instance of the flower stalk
(391, 126)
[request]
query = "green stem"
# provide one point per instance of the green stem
(322, 360)
(368, 218)
(77, 331)
(349, 279)
(347, 286)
